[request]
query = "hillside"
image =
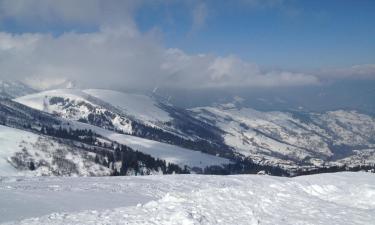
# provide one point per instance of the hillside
(287, 139)
(295, 138)
(38, 143)
(137, 115)
(29, 154)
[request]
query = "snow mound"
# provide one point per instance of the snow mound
(342, 198)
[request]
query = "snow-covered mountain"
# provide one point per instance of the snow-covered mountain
(138, 115)
(13, 89)
(49, 145)
(290, 140)
(340, 198)
(110, 109)
(73, 104)
(140, 107)
(295, 138)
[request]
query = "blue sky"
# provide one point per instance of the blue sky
(187, 43)
(294, 34)
(274, 33)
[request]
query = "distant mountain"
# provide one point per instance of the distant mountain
(13, 89)
(290, 140)
(356, 95)
(294, 138)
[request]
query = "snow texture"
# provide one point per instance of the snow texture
(51, 157)
(341, 198)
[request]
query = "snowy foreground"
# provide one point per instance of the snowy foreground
(341, 198)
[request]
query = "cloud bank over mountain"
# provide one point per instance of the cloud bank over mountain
(123, 55)
(118, 54)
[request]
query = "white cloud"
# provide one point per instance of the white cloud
(119, 55)
(364, 71)
(206, 71)
(123, 57)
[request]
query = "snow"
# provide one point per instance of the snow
(284, 138)
(139, 106)
(81, 103)
(78, 105)
(273, 138)
(37, 100)
(350, 127)
(341, 198)
(266, 134)
(169, 153)
(43, 151)
(11, 142)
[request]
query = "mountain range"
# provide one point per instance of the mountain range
(107, 132)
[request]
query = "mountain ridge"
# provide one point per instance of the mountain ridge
(289, 139)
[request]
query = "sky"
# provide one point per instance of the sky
(187, 44)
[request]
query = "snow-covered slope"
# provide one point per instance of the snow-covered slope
(26, 153)
(293, 139)
(17, 115)
(74, 104)
(287, 139)
(141, 107)
(167, 152)
(104, 108)
(138, 115)
(341, 198)
(165, 117)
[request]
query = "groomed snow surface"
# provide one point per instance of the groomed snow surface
(341, 198)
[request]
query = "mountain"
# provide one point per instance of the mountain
(293, 141)
(345, 94)
(13, 89)
(137, 115)
(295, 138)
(76, 105)
(38, 143)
